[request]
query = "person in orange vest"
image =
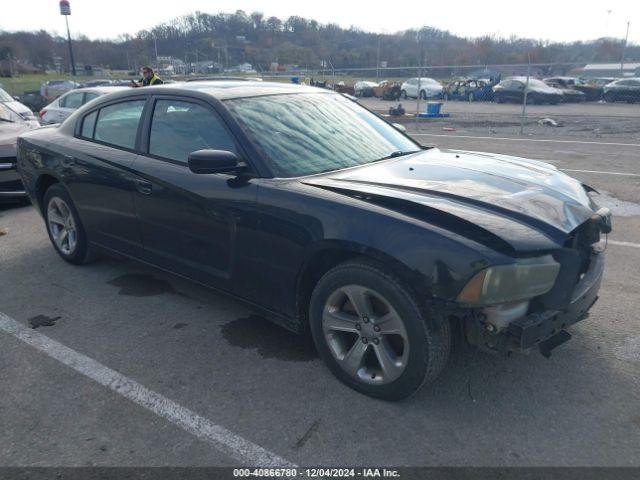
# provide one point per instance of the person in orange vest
(148, 78)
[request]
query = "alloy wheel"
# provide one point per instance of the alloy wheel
(365, 335)
(62, 225)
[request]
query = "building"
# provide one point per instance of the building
(593, 70)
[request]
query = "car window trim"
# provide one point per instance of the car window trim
(136, 147)
(148, 120)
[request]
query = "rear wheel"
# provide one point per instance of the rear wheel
(64, 226)
(403, 94)
(423, 95)
(371, 333)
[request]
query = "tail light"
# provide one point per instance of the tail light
(42, 112)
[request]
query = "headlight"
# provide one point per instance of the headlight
(509, 283)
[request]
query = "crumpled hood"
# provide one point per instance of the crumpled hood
(528, 204)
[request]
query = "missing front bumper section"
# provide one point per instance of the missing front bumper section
(539, 330)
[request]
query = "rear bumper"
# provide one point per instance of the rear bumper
(528, 332)
(10, 182)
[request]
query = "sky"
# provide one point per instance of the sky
(541, 19)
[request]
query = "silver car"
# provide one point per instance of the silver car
(58, 110)
(17, 107)
(52, 89)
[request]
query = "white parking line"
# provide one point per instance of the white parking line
(224, 440)
(525, 139)
(624, 244)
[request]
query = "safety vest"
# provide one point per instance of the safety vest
(153, 80)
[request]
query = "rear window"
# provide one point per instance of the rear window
(118, 124)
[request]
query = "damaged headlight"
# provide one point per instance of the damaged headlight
(509, 283)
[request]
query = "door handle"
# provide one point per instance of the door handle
(144, 187)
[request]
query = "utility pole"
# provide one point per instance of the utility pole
(624, 48)
(65, 10)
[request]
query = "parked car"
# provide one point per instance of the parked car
(326, 219)
(97, 83)
(387, 90)
(15, 106)
(512, 90)
(623, 90)
(58, 110)
(52, 89)
(468, 90)
(364, 89)
(569, 94)
(428, 88)
(592, 92)
(12, 124)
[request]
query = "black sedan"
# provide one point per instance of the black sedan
(624, 90)
(513, 89)
(326, 219)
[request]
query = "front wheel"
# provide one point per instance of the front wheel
(423, 95)
(64, 226)
(403, 94)
(372, 334)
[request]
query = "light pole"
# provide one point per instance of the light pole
(624, 48)
(65, 10)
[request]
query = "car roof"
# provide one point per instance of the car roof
(104, 89)
(226, 90)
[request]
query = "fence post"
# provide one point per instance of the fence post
(524, 97)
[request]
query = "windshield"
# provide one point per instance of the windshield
(304, 134)
(5, 97)
(8, 115)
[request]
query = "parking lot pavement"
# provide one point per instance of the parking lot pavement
(209, 355)
(618, 122)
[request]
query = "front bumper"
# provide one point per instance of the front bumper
(10, 182)
(543, 330)
(530, 331)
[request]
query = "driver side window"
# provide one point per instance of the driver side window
(179, 128)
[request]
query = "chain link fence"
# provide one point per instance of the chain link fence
(598, 101)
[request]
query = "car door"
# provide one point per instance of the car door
(189, 222)
(67, 104)
(99, 175)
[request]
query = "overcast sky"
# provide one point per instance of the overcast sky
(541, 19)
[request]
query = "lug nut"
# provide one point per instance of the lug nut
(376, 328)
(358, 326)
(376, 341)
(365, 319)
(364, 340)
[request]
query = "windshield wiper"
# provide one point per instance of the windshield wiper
(397, 153)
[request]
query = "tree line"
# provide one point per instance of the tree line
(232, 38)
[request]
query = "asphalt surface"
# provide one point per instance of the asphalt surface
(579, 121)
(209, 355)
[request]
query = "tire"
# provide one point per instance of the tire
(445, 96)
(471, 97)
(609, 97)
(415, 353)
(60, 215)
(403, 94)
(498, 99)
(423, 95)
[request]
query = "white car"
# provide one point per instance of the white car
(428, 88)
(19, 108)
(58, 110)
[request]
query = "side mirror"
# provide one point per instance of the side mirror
(400, 127)
(212, 161)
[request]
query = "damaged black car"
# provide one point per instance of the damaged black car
(327, 220)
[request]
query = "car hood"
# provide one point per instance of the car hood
(9, 133)
(522, 204)
(20, 109)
